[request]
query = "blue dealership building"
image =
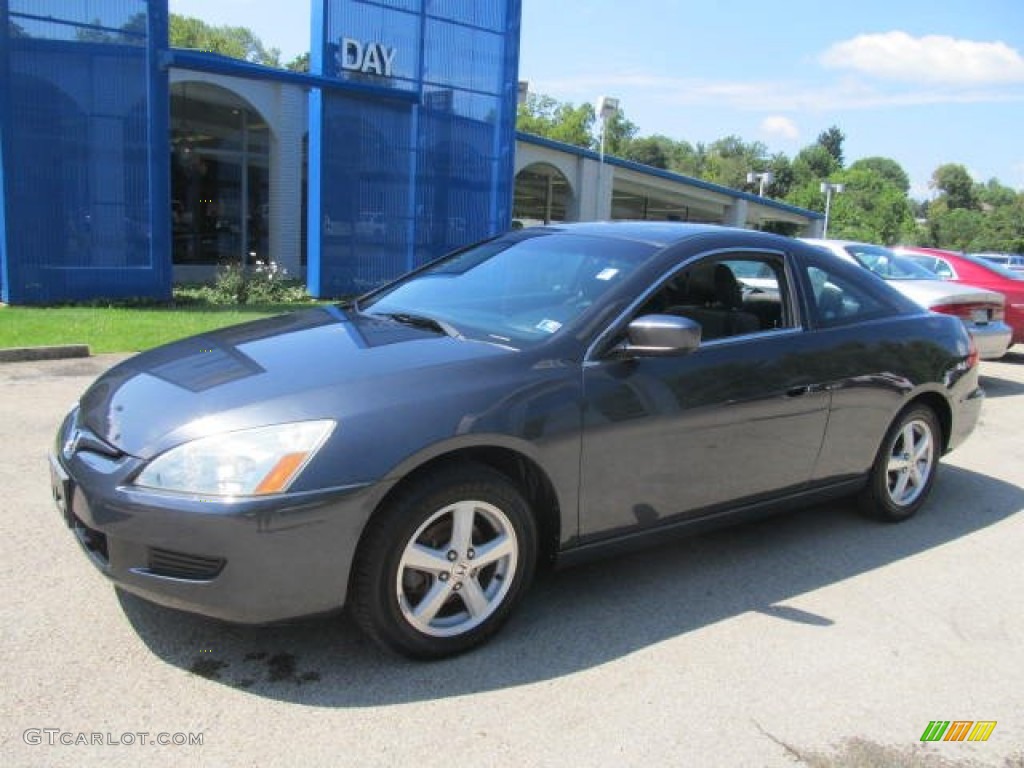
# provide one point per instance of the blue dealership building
(126, 165)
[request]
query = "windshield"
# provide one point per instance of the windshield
(514, 291)
(889, 265)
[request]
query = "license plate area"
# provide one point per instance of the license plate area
(979, 316)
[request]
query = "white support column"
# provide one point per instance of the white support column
(815, 228)
(286, 181)
(596, 181)
(736, 214)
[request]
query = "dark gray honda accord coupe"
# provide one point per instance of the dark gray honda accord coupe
(540, 397)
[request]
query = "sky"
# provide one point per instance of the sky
(924, 82)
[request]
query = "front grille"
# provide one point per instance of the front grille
(181, 565)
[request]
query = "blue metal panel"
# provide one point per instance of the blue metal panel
(158, 139)
(364, 193)
(464, 58)
(394, 185)
(492, 16)
(5, 31)
(314, 204)
(85, 156)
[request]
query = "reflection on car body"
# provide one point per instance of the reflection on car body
(545, 396)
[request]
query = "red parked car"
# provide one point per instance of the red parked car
(978, 272)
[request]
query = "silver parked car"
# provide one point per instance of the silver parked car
(982, 310)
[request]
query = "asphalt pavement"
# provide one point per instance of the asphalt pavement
(814, 638)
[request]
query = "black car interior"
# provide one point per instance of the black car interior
(710, 294)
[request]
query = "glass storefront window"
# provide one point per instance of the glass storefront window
(542, 196)
(220, 177)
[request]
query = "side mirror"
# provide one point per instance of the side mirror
(659, 336)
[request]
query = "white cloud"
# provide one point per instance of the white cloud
(777, 126)
(933, 59)
(772, 96)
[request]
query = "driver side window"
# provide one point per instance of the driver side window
(727, 295)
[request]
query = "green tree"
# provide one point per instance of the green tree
(955, 185)
(648, 151)
(782, 175)
(1004, 229)
(299, 64)
(544, 116)
(235, 42)
(812, 165)
(995, 195)
(619, 134)
(730, 159)
(690, 159)
(832, 140)
(96, 33)
(888, 168)
(953, 228)
(871, 208)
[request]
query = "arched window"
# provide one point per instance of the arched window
(543, 195)
(220, 174)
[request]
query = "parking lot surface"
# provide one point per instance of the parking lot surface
(812, 638)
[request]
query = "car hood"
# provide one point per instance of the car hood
(929, 293)
(319, 363)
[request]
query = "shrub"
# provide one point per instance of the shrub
(264, 283)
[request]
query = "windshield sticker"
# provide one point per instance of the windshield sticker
(548, 326)
(607, 274)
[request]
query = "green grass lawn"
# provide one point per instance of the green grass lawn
(121, 329)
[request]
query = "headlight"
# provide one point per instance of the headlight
(250, 462)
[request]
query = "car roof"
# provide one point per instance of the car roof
(830, 241)
(659, 233)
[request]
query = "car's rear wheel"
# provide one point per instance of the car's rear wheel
(442, 565)
(905, 468)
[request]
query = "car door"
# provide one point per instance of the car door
(739, 419)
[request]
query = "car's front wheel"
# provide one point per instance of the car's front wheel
(905, 468)
(442, 565)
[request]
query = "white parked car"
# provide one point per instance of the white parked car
(1014, 261)
(981, 310)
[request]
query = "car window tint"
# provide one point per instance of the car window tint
(837, 300)
(727, 296)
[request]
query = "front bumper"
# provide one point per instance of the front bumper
(253, 560)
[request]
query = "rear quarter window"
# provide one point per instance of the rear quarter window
(837, 293)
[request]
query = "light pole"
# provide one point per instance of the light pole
(522, 92)
(763, 178)
(606, 109)
(827, 189)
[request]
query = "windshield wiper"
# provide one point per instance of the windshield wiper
(422, 321)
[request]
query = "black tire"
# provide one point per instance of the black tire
(435, 599)
(905, 467)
